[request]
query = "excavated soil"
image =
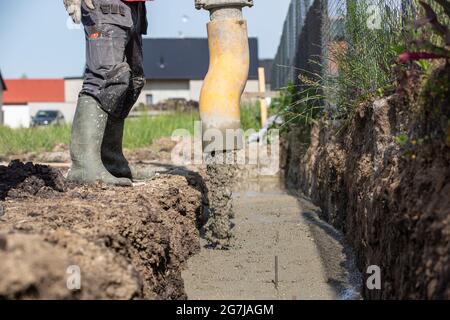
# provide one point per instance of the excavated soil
(127, 242)
(19, 180)
(159, 151)
(384, 179)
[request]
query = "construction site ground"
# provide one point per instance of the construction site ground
(145, 242)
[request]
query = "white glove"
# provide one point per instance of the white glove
(73, 8)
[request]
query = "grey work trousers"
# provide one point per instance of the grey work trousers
(114, 73)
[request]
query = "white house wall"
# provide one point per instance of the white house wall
(17, 116)
(188, 89)
(252, 86)
(160, 90)
(1, 104)
(72, 88)
(195, 89)
(165, 89)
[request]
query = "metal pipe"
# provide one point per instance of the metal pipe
(228, 71)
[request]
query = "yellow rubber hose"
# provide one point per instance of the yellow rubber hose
(227, 76)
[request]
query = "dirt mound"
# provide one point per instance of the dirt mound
(59, 154)
(38, 267)
(20, 179)
(159, 151)
(177, 104)
(127, 242)
(384, 179)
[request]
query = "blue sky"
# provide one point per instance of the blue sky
(36, 39)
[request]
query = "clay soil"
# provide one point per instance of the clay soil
(383, 178)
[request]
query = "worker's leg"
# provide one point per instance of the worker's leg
(105, 87)
(112, 152)
(85, 147)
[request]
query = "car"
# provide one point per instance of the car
(47, 117)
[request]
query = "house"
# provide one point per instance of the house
(174, 68)
(2, 89)
(25, 97)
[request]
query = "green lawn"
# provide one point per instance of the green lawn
(18, 141)
(139, 132)
(251, 116)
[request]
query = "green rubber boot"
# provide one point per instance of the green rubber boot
(85, 146)
(115, 161)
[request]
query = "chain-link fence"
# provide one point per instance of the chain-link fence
(318, 34)
(282, 70)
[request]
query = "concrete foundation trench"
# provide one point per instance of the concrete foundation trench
(170, 237)
(153, 241)
(280, 250)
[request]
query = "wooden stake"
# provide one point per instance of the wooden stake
(262, 89)
(276, 272)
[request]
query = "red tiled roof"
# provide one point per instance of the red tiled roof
(22, 91)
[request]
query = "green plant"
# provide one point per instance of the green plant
(434, 42)
(251, 115)
(299, 106)
(366, 62)
(402, 139)
(357, 63)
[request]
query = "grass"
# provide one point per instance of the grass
(297, 107)
(251, 116)
(366, 67)
(365, 57)
(18, 141)
(139, 132)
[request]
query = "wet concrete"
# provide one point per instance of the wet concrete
(221, 177)
(280, 250)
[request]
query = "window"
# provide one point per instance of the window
(149, 99)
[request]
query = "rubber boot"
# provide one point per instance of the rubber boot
(115, 161)
(85, 147)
